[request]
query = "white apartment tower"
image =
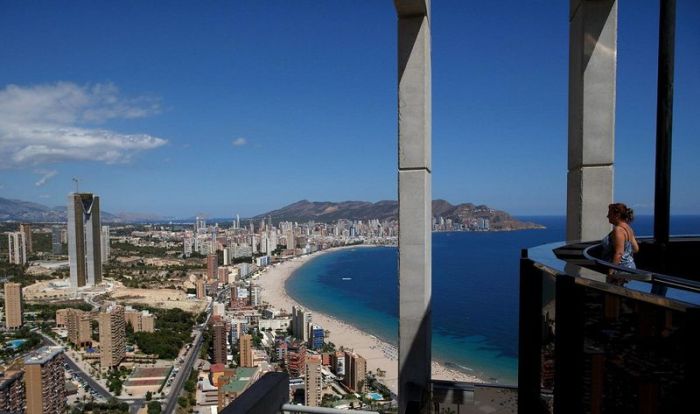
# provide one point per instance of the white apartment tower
(17, 247)
(105, 244)
(200, 224)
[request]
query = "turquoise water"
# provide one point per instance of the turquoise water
(475, 292)
(16, 343)
(375, 396)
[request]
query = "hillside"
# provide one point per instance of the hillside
(326, 211)
(26, 211)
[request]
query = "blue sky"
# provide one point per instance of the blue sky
(222, 107)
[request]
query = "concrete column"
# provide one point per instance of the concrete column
(415, 205)
(592, 73)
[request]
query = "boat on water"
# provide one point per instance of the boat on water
(347, 278)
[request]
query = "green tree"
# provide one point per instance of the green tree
(183, 402)
(154, 407)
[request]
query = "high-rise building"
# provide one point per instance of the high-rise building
(296, 358)
(300, 323)
(355, 372)
(338, 363)
(290, 239)
(254, 295)
(79, 327)
(316, 336)
(56, 246)
(212, 266)
(227, 256)
(13, 305)
(105, 244)
(44, 381)
(26, 231)
(201, 288)
(112, 336)
(313, 380)
(200, 224)
(219, 343)
(188, 245)
(12, 391)
(17, 247)
(84, 245)
(246, 350)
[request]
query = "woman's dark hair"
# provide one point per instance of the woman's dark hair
(625, 213)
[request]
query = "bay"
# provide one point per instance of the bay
(475, 291)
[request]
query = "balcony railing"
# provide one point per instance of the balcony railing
(270, 395)
(595, 341)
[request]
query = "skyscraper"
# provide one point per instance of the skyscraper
(12, 391)
(200, 224)
(105, 244)
(355, 372)
(300, 323)
(212, 267)
(13, 305)
(200, 288)
(219, 343)
(112, 336)
(56, 247)
(17, 247)
(84, 246)
(314, 384)
(290, 239)
(44, 381)
(246, 351)
(26, 231)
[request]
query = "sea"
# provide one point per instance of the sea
(475, 291)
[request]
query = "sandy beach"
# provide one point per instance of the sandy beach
(379, 354)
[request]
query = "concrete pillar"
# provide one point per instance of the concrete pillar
(592, 73)
(415, 205)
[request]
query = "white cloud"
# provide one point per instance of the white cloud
(45, 176)
(55, 122)
(239, 142)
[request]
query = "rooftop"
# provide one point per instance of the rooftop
(43, 355)
(241, 381)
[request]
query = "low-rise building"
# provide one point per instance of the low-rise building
(242, 379)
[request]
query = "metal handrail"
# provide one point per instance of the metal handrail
(640, 274)
(291, 408)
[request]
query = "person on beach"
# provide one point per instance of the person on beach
(620, 244)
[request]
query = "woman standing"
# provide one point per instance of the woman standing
(620, 244)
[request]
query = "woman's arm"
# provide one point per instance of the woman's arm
(633, 239)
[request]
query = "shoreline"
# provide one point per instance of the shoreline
(378, 353)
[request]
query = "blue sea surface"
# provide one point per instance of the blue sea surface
(475, 291)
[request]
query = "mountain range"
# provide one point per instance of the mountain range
(301, 211)
(327, 211)
(18, 210)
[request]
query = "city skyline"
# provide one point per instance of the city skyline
(255, 107)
